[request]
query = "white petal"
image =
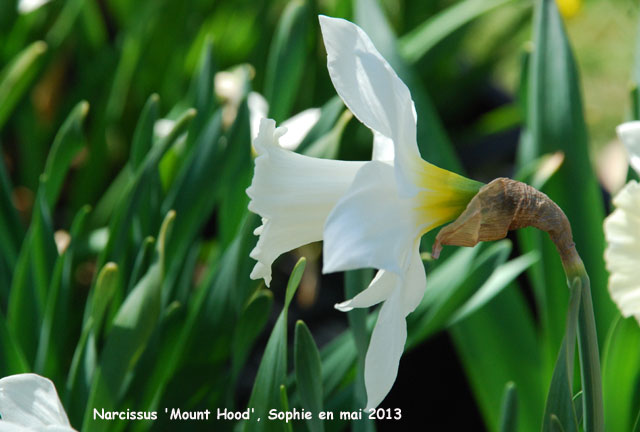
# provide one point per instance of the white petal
(382, 148)
(390, 332)
(258, 109)
(373, 92)
(294, 195)
(298, 127)
(26, 6)
(385, 349)
(629, 134)
(371, 226)
(31, 401)
(378, 290)
(622, 231)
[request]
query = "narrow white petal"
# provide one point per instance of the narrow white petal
(31, 401)
(378, 290)
(294, 195)
(258, 109)
(385, 349)
(298, 127)
(629, 134)
(373, 92)
(371, 226)
(622, 231)
(390, 333)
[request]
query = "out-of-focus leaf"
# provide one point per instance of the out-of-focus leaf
(620, 374)
(68, 142)
(328, 145)
(130, 199)
(63, 25)
(272, 372)
(17, 76)
(509, 409)
(54, 323)
(249, 326)
(560, 398)
(185, 195)
(287, 59)
(11, 231)
(128, 337)
(284, 405)
(12, 359)
(578, 406)
(329, 114)
(31, 278)
(84, 361)
(502, 277)
(556, 122)
(142, 262)
(482, 338)
(415, 44)
(143, 135)
(308, 369)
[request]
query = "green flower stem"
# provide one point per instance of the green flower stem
(587, 345)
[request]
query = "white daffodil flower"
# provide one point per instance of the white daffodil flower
(622, 232)
(369, 214)
(379, 221)
(29, 402)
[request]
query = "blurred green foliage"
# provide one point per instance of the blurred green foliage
(125, 237)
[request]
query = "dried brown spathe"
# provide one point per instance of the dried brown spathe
(503, 205)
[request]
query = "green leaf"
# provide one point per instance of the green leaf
(130, 331)
(143, 135)
(509, 409)
(620, 374)
(415, 44)
(84, 361)
(249, 326)
(11, 230)
(556, 122)
(328, 145)
(272, 372)
(287, 58)
(560, 398)
(56, 316)
(329, 114)
(31, 278)
(68, 142)
(284, 405)
(501, 277)
(17, 77)
(308, 370)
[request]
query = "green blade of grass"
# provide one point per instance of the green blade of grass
(17, 77)
(620, 374)
(509, 409)
(559, 400)
(66, 145)
(308, 368)
(273, 366)
(128, 336)
(415, 44)
(54, 323)
(287, 58)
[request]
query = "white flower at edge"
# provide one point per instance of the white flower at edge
(29, 402)
(622, 232)
(229, 85)
(297, 126)
(369, 214)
